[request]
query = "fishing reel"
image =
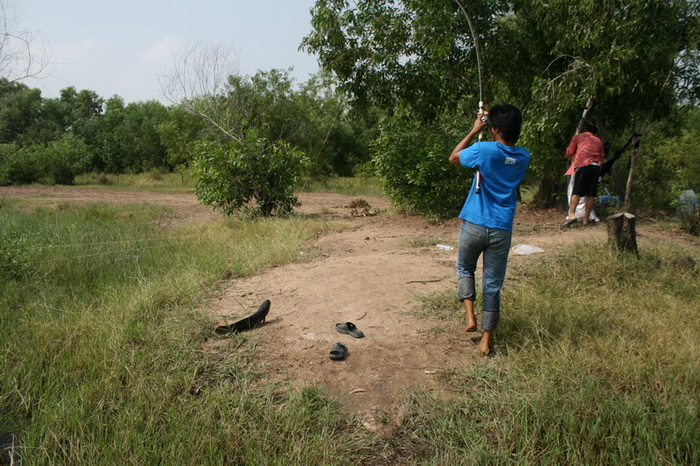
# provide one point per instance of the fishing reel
(482, 112)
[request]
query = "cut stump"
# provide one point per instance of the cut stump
(622, 233)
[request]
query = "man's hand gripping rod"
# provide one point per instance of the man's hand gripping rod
(484, 118)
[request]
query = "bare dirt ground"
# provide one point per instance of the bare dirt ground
(371, 274)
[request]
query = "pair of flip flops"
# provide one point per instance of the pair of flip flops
(339, 351)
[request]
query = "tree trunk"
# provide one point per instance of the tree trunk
(628, 189)
(622, 233)
(551, 192)
(584, 115)
(579, 130)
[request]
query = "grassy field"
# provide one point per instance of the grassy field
(598, 365)
(182, 182)
(102, 361)
(101, 342)
(154, 181)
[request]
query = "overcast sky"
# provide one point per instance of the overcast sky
(122, 46)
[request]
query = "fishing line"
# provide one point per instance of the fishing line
(478, 52)
(171, 238)
(123, 253)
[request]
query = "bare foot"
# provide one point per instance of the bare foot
(470, 327)
(485, 350)
(483, 346)
(486, 343)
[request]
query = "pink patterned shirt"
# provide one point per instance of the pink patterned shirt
(585, 148)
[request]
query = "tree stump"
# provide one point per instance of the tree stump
(622, 233)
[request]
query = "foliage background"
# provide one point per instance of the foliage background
(399, 88)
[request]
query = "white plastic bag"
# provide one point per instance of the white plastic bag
(581, 212)
(525, 249)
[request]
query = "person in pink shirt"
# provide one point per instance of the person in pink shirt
(588, 154)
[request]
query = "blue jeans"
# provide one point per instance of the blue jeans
(495, 245)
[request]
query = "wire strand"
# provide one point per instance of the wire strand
(98, 243)
(61, 259)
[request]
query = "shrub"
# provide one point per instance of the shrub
(411, 161)
(57, 162)
(251, 175)
(20, 166)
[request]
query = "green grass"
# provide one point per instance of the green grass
(353, 186)
(101, 341)
(152, 181)
(101, 332)
(597, 364)
(182, 182)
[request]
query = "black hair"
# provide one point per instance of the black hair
(508, 120)
(591, 128)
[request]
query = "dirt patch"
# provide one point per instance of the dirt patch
(372, 274)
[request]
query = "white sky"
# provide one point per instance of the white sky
(122, 46)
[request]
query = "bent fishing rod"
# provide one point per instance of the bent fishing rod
(481, 109)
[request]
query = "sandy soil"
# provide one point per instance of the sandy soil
(371, 274)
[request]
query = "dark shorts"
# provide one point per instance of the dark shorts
(586, 181)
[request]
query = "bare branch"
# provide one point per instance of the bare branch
(199, 82)
(21, 57)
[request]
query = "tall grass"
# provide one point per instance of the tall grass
(183, 182)
(350, 186)
(101, 342)
(153, 181)
(598, 364)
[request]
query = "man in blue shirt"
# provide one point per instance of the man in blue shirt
(488, 212)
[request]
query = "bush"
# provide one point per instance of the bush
(411, 161)
(20, 166)
(58, 162)
(66, 158)
(231, 176)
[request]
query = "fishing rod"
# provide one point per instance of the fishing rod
(481, 109)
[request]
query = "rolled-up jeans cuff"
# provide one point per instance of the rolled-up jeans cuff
(466, 289)
(489, 319)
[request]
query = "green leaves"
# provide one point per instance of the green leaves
(411, 160)
(249, 176)
(390, 53)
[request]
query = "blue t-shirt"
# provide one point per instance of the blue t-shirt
(502, 169)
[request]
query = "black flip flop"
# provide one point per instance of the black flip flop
(349, 328)
(338, 352)
(248, 323)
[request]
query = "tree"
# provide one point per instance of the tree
(415, 53)
(411, 163)
(631, 57)
(179, 134)
(624, 56)
(58, 162)
(127, 138)
(244, 157)
(335, 138)
(20, 109)
(415, 63)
